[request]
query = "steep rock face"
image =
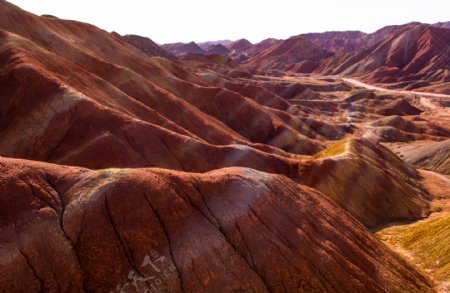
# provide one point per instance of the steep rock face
(207, 44)
(442, 24)
(404, 129)
(147, 46)
(226, 230)
(413, 55)
(263, 45)
(286, 53)
(94, 130)
(342, 42)
(179, 49)
(368, 181)
(218, 49)
(156, 90)
(240, 45)
(428, 155)
(353, 41)
(416, 52)
(389, 31)
(400, 107)
(97, 99)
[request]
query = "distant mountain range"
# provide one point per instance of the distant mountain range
(373, 56)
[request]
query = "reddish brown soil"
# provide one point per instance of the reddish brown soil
(230, 229)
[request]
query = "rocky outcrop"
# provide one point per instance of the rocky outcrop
(226, 230)
(179, 49)
(286, 53)
(147, 46)
(218, 49)
(417, 52)
(240, 45)
(428, 155)
(368, 181)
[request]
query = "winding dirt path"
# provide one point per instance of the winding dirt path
(358, 83)
(424, 97)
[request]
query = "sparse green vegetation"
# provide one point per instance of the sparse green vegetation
(333, 150)
(428, 242)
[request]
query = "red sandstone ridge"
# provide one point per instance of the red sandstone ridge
(147, 46)
(240, 45)
(226, 230)
(263, 45)
(414, 54)
(343, 42)
(218, 49)
(179, 49)
(125, 84)
(363, 178)
(295, 50)
(418, 52)
(433, 156)
(207, 44)
(442, 24)
(352, 41)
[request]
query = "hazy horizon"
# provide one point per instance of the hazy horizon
(202, 20)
